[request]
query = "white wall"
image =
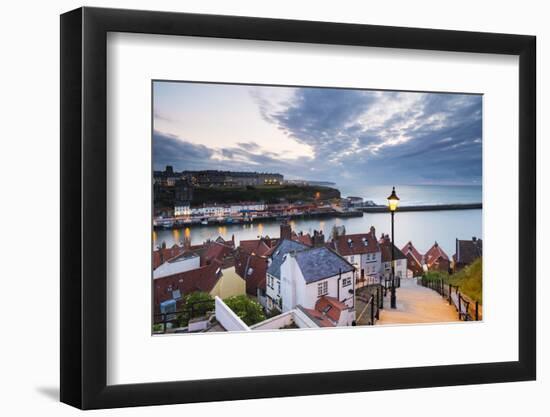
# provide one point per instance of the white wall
(228, 319)
(30, 116)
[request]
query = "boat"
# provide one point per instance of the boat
(204, 222)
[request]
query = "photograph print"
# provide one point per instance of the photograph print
(299, 207)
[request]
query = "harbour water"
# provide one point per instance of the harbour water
(423, 228)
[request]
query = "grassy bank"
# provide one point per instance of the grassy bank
(268, 194)
(469, 280)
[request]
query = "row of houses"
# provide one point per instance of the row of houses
(218, 210)
(296, 274)
(435, 259)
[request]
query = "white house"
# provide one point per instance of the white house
(209, 211)
(246, 207)
(182, 209)
(320, 282)
(273, 274)
(363, 251)
(399, 258)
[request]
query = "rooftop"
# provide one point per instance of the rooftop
(285, 246)
(320, 263)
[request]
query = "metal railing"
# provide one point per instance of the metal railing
(176, 317)
(467, 309)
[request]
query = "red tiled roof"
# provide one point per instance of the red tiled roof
(216, 251)
(318, 317)
(346, 245)
(385, 248)
(162, 255)
(252, 268)
(200, 279)
(410, 249)
(435, 254)
(304, 239)
(257, 246)
(330, 307)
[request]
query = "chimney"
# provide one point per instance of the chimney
(373, 231)
(318, 239)
(286, 231)
(474, 239)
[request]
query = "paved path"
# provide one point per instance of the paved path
(416, 304)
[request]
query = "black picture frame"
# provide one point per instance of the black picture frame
(84, 207)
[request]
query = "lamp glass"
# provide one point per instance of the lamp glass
(393, 200)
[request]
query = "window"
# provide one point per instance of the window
(352, 259)
(322, 288)
(279, 287)
(346, 282)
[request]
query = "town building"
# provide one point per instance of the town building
(415, 260)
(166, 178)
(273, 274)
(310, 274)
(185, 261)
(182, 209)
(363, 251)
(214, 178)
(219, 250)
(253, 269)
(436, 259)
(467, 251)
(399, 258)
(262, 246)
(163, 254)
(212, 279)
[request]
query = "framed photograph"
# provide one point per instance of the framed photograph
(262, 208)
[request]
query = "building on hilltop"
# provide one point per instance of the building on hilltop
(467, 251)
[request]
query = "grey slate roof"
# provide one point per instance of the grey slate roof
(320, 263)
(285, 246)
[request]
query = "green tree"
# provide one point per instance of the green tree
(248, 310)
(195, 304)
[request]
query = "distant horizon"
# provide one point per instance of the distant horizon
(322, 134)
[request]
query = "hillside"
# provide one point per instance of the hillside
(268, 194)
(470, 280)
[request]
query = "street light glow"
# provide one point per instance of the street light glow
(393, 201)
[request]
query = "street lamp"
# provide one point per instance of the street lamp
(393, 202)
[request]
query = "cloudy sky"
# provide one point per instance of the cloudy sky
(339, 135)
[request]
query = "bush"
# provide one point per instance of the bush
(195, 304)
(469, 279)
(248, 310)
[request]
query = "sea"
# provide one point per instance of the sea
(422, 228)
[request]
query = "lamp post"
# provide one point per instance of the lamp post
(393, 202)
